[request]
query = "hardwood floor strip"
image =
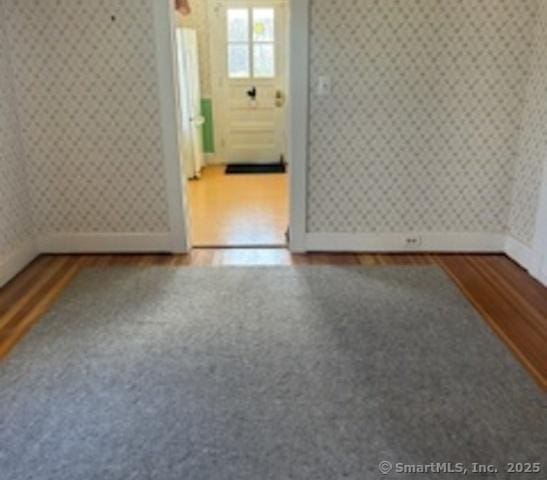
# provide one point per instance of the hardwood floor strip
(18, 286)
(31, 300)
(62, 278)
(516, 319)
(43, 277)
(254, 257)
(333, 259)
(482, 299)
(513, 291)
(530, 290)
(203, 258)
(366, 260)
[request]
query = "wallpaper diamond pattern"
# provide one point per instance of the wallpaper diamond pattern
(437, 107)
(420, 132)
(533, 144)
(86, 84)
(15, 212)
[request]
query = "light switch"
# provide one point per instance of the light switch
(324, 86)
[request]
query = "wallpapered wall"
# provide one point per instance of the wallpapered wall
(15, 213)
(532, 158)
(88, 105)
(420, 132)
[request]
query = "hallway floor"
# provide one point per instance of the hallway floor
(238, 210)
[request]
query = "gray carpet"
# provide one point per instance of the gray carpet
(263, 373)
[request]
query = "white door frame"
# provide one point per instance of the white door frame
(297, 123)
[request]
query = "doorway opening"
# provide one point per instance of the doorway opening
(233, 74)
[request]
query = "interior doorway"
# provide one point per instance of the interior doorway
(233, 65)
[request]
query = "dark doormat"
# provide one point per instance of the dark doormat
(251, 168)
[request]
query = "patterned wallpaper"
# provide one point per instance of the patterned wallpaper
(15, 213)
(420, 132)
(532, 156)
(86, 86)
(199, 20)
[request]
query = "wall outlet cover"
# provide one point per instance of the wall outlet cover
(413, 241)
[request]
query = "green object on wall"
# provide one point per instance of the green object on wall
(208, 127)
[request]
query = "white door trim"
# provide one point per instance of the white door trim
(164, 31)
(297, 125)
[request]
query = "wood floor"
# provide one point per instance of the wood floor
(238, 210)
(509, 300)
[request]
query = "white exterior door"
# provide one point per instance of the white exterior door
(249, 70)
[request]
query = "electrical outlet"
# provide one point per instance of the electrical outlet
(413, 241)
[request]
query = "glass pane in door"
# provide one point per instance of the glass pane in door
(263, 25)
(238, 25)
(264, 60)
(238, 60)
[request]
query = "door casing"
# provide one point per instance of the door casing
(297, 122)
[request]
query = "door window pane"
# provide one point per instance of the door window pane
(251, 51)
(264, 60)
(238, 60)
(238, 25)
(263, 24)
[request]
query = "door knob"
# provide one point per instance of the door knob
(279, 98)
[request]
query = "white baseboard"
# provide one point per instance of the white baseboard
(85, 243)
(524, 255)
(106, 243)
(17, 261)
(527, 257)
(393, 242)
